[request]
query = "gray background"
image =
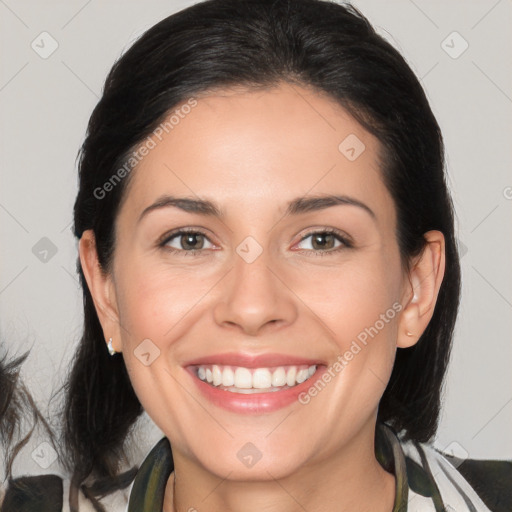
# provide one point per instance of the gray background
(45, 104)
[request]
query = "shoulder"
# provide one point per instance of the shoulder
(490, 479)
(41, 492)
(51, 493)
(458, 483)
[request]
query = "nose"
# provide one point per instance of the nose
(255, 297)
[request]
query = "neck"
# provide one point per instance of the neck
(351, 479)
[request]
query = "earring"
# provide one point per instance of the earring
(409, 333)
(111, 349)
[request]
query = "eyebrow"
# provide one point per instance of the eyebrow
(294, 207)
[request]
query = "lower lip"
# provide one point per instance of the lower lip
(255, 403)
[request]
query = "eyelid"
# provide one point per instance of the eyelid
(166, 237)
(340, 235)
(345, 239)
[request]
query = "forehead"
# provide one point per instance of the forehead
(259, 147)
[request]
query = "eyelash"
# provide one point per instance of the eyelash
(174, 234)
(338, 235)
(346, 243)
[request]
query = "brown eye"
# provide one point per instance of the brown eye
(192, 241)
(186, 241)
(321, 242)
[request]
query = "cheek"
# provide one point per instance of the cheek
(160, 394)
(353, 296)
(154, 301)
(358, 303)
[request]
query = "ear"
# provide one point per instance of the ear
(101, 287)
(422, 289)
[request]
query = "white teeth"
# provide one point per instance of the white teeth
(244, 380)
(290, 376)
(302, 375)
(262, 378)
(217, 375)
(279, 377)
(228, 377)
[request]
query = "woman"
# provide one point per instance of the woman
(269, 267)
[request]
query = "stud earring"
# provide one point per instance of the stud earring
(409, 333)
(111, 349)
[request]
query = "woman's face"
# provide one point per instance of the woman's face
(264, 280)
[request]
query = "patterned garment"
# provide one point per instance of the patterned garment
(427, 480)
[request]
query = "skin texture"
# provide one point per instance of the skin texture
(252, 152)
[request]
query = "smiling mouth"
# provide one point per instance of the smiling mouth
(238, 379)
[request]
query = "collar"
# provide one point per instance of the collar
(148, 489)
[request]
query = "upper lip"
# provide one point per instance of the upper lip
(253, 360)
